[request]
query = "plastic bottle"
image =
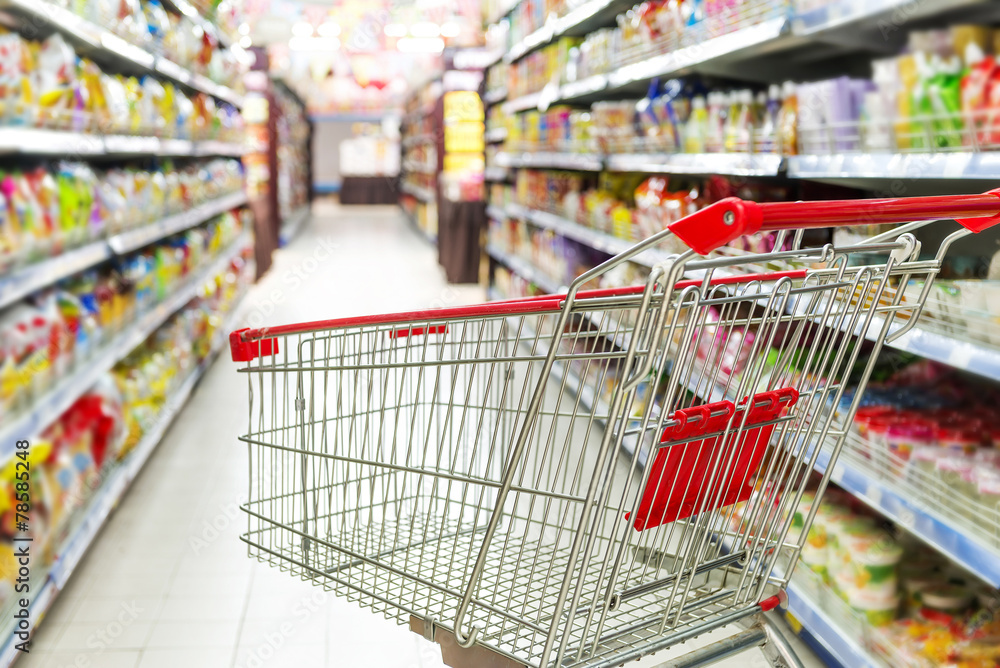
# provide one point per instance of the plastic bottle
(767, 136)
(697, 127)
(980, 70)
(745, 122)
(788, 119)
(736, 108)
(716, 122)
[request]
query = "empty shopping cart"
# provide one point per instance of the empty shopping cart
(585, 478)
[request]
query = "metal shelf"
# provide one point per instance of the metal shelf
(590, 237)
(143, 236)
(421, 232)
(422, 194)
(495, 174)
(41, 141)
(846, 14)
(524, 269)
(522, 103)
(584, 87)
(293, 224)
(840, 644)
(531, 41)
(495, 135)
(113, 489)
(957, 165)
(733, 45)
(52, 404)
(735, 164)
(96, 42)
(22, 282)
(587, 162)
(419, 168)
(578, 21)
(417, 139)
(495, 96)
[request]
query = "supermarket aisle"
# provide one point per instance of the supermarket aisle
(168, 583)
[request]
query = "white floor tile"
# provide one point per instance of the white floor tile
(193, 634)
(211, 657)
(109, 635)
(212, 609)
(283, 655)
(106, 609)
(108, 659)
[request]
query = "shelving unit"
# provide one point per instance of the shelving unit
(46, 408)
(496, 135)
(422, 144)
(782, 46)
(114, 488)
(422, 194)
(103, 45)
(571, 230)
(39, 141)
(21, 282)
(590, 162)
(292, 225)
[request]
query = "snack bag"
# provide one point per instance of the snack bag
(115, 113)
(10, 237)
(24, 210)
(16, 91)
(55, 77)
(157, 23)
(150, 106)
(46, 192)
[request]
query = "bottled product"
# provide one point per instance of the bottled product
(788, 120)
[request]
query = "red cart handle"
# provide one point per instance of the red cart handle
(720, 223)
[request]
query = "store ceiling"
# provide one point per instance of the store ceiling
(351, 55)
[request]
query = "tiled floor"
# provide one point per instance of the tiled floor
(168, 583)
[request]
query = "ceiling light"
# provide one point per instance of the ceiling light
(244, 28)
(425, 29)
(450, 29)
(314, 44)
(328, 29)
(395, 30)
(246, 42)
(420, 45)
(302, 29)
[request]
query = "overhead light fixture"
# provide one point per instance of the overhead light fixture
(420, 45)
(246, 42)
(244, 28)
(425, 29)
(302, 29)
(328, 29)
(314, 44)
(450, 29)
(395, 30)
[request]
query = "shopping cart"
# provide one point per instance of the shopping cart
(586, 478)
